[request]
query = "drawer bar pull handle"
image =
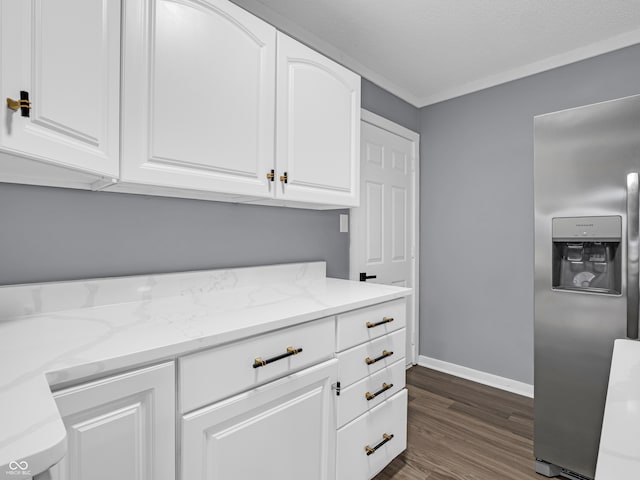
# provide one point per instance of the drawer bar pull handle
(258, 362)
(371, 361)
(385, 387)
(371, 451)
(381, 322)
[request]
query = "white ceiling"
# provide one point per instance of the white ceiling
(426, 51)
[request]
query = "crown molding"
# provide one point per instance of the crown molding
(303, 35)
(592, 50)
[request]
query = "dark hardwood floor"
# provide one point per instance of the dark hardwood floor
(461, 430)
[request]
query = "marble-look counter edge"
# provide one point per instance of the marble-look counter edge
(41, 455)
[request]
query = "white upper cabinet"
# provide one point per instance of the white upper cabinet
(198, 97)
(65, 55)
(318, 127)
(212, 103)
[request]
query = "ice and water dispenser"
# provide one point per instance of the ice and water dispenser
(587, 254)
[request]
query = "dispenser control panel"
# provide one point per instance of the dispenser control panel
(587, 227)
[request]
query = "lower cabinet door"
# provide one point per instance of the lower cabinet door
(285, 429)
(370, 442)
(121, 427)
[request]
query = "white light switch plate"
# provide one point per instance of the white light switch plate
(344, 223)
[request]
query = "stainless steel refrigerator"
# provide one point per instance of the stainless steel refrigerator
(586, 282)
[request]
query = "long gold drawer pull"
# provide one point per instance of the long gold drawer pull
(372, 450)
(374, 360)
(258, 362)
(381, 322)
(385, 387)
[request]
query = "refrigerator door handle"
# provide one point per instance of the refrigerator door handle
(633, 271)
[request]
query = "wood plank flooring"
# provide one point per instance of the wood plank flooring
(461, 430)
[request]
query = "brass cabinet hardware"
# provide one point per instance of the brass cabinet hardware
(23, 104)
(271, 175)
(385, 387)
(371, 450)
(284, 178)
(371, 361)
(13, 104)
(259, 362)
(381, 322)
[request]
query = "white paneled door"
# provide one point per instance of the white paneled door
(383, 228)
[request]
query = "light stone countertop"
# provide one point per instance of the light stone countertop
(618, 454)
(59, 333)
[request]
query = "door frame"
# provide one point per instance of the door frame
(381, 122)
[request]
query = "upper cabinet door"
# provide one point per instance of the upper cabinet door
(318, 127)
(198, 97)
(65, 55)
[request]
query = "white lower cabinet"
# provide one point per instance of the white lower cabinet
(369, 443)
(284, 404)
(121, 427)
(372, 405)
(285, 429)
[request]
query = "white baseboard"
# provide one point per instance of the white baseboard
(484, 378)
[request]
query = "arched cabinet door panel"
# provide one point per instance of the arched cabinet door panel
(318, 127)
(199, 97)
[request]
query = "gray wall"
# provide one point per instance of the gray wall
(61, 234)
(477, 211)
(385, 104)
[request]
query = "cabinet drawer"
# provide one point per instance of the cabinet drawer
(355, 458)
(209, 376)
(353, 364)
(370, 392)
(358, 326)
